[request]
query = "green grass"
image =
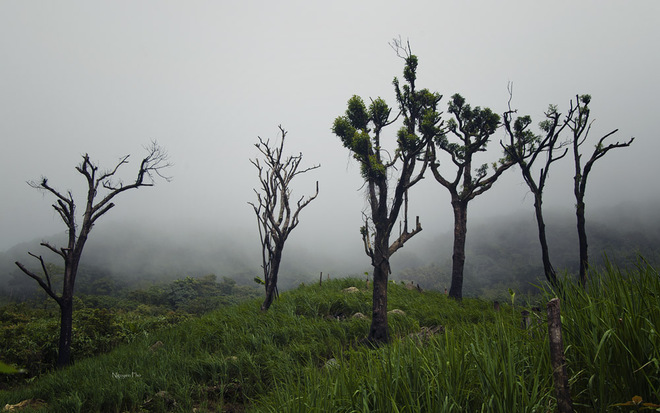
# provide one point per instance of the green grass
(612, 332)
(304, 355)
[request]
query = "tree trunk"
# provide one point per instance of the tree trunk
(458, 256)
(66, 301)
(582, 239)
(66, 324)
(379, 332)
(271, 279)
(549, 271)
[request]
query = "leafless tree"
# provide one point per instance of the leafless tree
(580, 126)
(98, 182)
(276, 216)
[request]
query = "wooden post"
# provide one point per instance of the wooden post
(558, 359)
(321, 278)
(526, 320)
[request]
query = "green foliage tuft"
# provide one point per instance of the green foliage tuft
(357, 113)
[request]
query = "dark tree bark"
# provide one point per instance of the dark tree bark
(276, 217)
(360, 132)
(97, 181)
(458, 255)
(580, 126)
(271, 280)
(473, 128)
(549, 270)
(378, 331)
(66, 329)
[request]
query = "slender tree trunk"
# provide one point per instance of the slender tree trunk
(379, 332)
(582, 239)
(458, 256)
(66, 326)
(549, 271)
(271, 279)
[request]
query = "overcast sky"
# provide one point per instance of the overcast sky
(205, 79)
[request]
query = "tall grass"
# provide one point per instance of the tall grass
(305, 355)
(489, 366)
(611, 329)
(610, 335)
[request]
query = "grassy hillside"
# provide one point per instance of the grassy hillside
(307, 354)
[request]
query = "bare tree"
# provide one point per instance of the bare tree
(580, 126)
(360, 131)
(276, 216)
(97, 181)
(524, 148)
(472, 127)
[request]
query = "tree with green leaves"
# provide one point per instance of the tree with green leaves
(471, 130)
(102, 188)
(581, 126)
(525, 148)
(389, 175)
(276, 216)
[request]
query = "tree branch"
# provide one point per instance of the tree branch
(46, 287)
(61, 252)
(403, 237)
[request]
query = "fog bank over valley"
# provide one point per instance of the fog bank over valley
(501, 252)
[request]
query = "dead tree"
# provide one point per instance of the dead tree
(580, 126)
(98, 181)
(276, 217)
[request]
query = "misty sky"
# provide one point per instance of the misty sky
(205, 78)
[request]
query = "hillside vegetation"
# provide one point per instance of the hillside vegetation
(307, 354)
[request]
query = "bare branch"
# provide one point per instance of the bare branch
(154, 163)
(103, 178)
(402, 50)
(60, 252)
(42, 284)
(404, 236)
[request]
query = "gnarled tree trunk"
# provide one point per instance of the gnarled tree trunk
(271, 279)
